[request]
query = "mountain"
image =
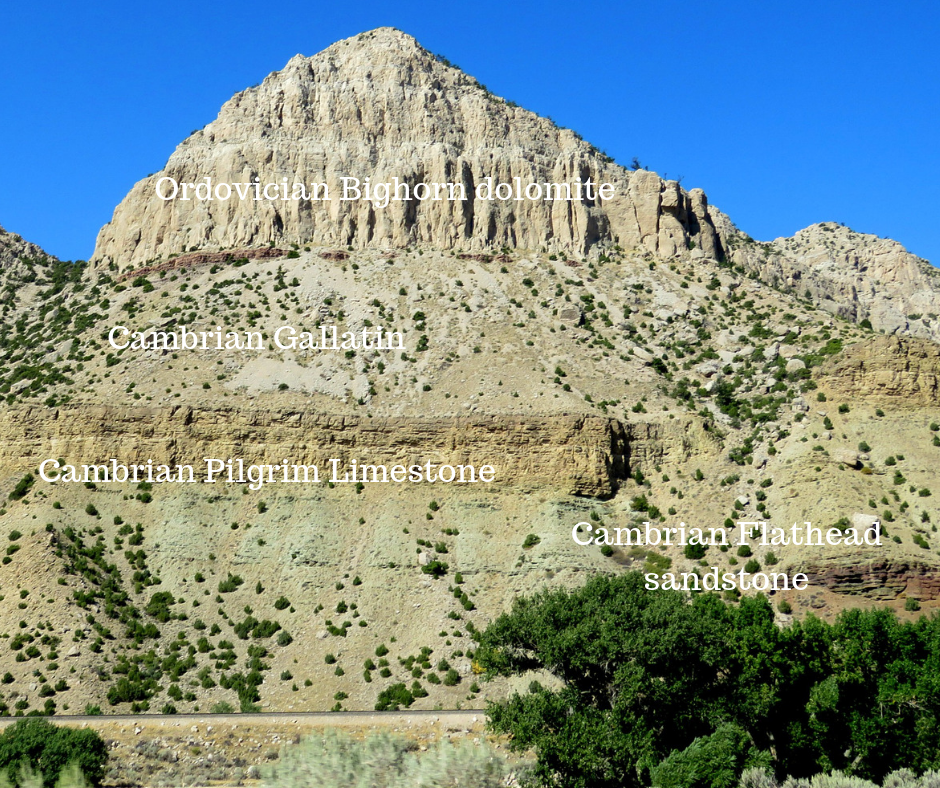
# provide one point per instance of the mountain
(380, 106)
(637, 359)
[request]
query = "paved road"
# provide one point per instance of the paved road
(453, 719)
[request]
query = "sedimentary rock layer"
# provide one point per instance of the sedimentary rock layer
(570, 454)
(903, 370)
(379, 106)
(881, 579)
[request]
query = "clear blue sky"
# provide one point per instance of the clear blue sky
(784, 113)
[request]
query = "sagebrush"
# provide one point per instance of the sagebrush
(334, 760)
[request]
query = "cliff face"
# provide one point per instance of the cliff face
(380, 106)
(903, 371)
(572, 455)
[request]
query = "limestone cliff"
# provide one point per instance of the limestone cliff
(900, 370)
(574, 455)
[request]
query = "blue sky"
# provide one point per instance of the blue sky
(784, 113)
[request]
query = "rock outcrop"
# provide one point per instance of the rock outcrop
(379, 106)
(903, 370)
(853, 275)
(13, 248)
(881, 579)
(571, 454)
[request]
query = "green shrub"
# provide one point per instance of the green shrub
(694, 551)
(393, 698)
(159, 606)
(435, 568)
(22, 487)
(223, 707)
(230, 583)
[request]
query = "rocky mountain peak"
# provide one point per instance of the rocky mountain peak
(379, 106)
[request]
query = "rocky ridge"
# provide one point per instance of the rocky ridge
(859, 277)
(13, 248)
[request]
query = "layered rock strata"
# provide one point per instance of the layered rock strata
(379, 106)
(903, 370)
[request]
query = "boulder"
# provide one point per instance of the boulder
(570, 315)
(795, 365)
(847, 457)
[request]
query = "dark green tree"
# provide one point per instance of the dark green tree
(643, 673)
(648, 680)
(48, 749)
(715, 761)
